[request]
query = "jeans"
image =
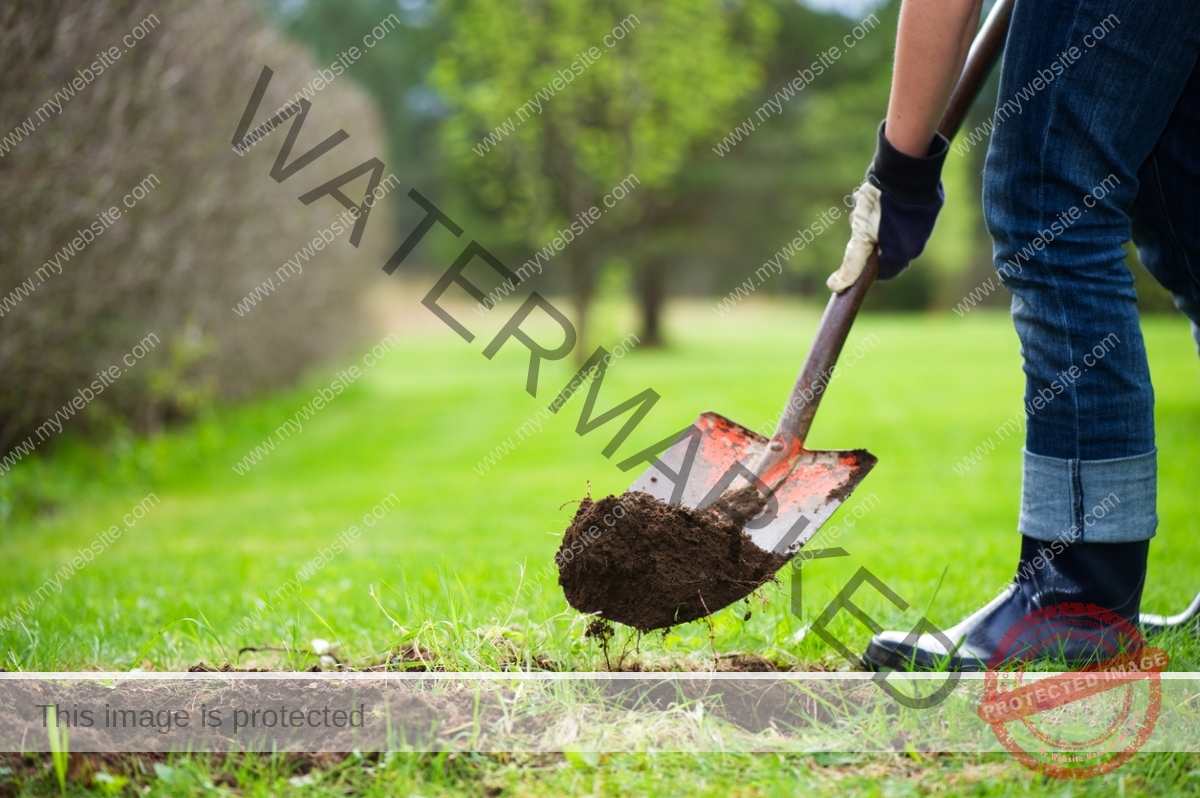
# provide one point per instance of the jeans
(1096, 142)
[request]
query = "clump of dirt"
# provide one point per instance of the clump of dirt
(600, 629)
(204, 667)
(651, 565)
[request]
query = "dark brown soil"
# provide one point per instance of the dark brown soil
(660, 565)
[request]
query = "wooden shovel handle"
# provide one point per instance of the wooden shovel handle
(842, 308)
(986, 48)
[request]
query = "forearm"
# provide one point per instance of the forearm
(931, 48)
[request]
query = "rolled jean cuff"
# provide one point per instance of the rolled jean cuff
(1097, 501)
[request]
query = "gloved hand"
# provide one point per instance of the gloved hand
(898, 204)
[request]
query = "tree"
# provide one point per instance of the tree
(393, 71)
(554, 104)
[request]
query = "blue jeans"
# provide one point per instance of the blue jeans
(1096, 141)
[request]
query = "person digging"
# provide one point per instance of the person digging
(1097, 143)
(1096, 140)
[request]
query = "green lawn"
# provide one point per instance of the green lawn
(624, 775)
(452, 552)
(445, 563)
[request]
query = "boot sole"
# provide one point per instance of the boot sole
(912, 659)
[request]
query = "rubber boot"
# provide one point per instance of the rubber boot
(1107, 575)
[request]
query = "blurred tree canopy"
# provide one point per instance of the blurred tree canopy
(660, 101)
(575, 96)
(394, 71)
(458, 76)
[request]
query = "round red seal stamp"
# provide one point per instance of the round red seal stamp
(1113, 714)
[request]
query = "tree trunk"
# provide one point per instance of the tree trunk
(581, 287)
(652, 290)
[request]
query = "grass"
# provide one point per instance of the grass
(740, 776)
(452, 567)
(635, 774)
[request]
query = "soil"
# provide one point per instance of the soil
(862, 459)
(747, 663)
(418, 715)
(661, 565)
(204, 667)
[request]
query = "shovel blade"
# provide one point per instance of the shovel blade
(816, 484)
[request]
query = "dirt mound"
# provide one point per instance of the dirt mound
(641, 562)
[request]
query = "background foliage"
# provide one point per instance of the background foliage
(174, 265)
(702, 220)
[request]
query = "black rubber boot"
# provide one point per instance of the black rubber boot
(1108, 575)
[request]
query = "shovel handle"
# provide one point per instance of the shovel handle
(843, 308)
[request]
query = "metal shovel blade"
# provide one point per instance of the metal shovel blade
(802, 488)
(808, 485)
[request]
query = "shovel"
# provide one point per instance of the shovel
(801, 487)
